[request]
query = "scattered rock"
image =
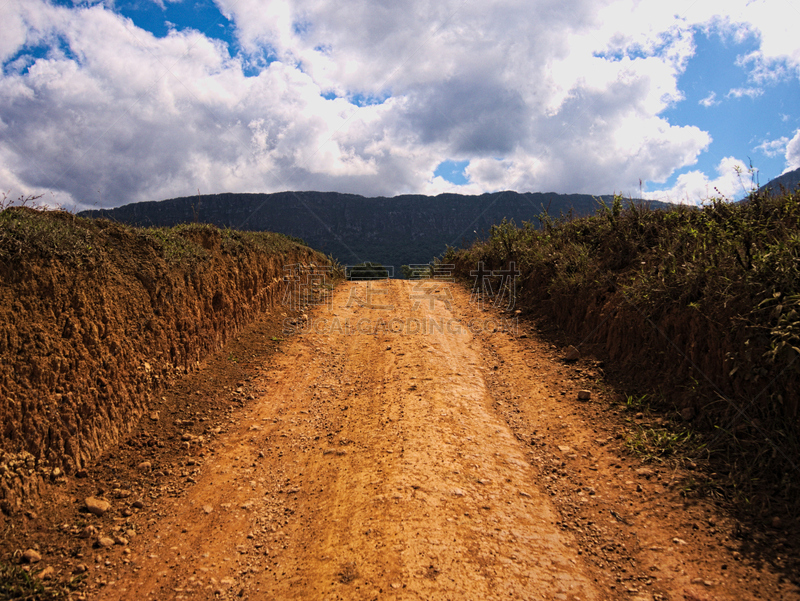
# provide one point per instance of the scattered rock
(645, 472)
(144, 466)
(154, 416)
(31, 556)
(97, 506)
(457, 492)
(584, 395)
(88, 532)
(208, 508)
(573, 354)
(679, 541)
(80, 568)
(104, 542)
(564, 449)
(47, 573)
(120, 540)
(121, 493)
(137, 505)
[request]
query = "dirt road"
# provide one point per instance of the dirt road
(410, 445)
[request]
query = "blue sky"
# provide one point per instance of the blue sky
(739, 125)
(105, 103)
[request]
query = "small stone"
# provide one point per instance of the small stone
(104, 542)
(31, 556)
(120, 540)
(687, 413)
(208, 508)
(573, 354)
(584, 395)
(154, 416)
(776, 522)
(47, 573)
(97, 506)
(137, 505)
(144, 466)
(80, 568)
(56, 473)
(645, 472)
(81, 474)
(88, 532)
(457, 492)
(564, 449)
(679, 541)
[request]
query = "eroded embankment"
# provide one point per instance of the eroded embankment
(96, 318)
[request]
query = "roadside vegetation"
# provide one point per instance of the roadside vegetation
(699, 306)
(34, 232)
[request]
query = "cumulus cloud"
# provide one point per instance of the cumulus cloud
(773, 148)
(548, 95)
(793, 153)
(733, 181)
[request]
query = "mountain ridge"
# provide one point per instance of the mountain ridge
(789, 180)
(404, 229)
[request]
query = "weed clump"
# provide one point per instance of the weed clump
(702, 304)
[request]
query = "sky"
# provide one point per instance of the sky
(107, 103)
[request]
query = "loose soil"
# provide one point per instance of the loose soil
(405, 443)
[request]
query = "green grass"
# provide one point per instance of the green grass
(57, 235)
(17, 584)
(659, 443)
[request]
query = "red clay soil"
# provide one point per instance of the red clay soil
(403, 444)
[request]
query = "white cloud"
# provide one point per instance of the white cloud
(773, 148)
(749, 92)
(538, 95)
(709, 100)
(793, 153)
(733, 181)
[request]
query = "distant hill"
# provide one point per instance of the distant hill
(790, 181)
(409, 229)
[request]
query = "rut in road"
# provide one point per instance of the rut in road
(374, 467)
